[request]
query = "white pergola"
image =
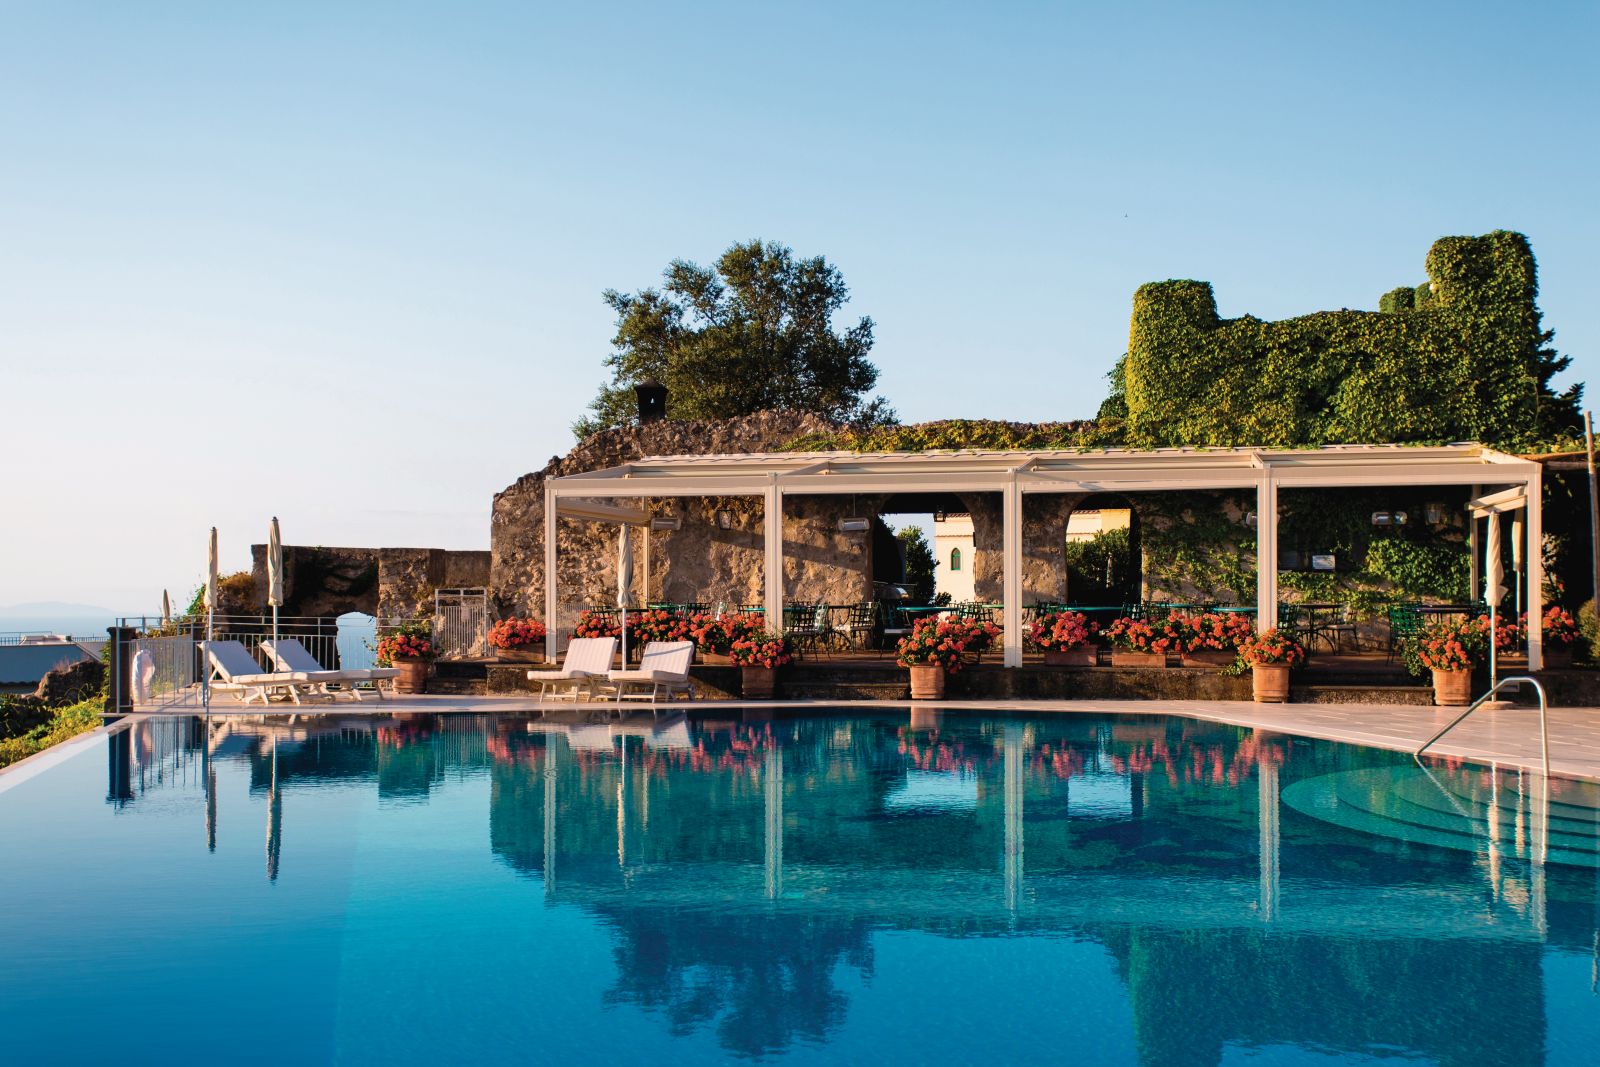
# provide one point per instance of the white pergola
(775, 476)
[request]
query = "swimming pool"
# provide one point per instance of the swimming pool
(841, 889)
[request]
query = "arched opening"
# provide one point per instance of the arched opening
(1103, 556)
(356, 641)
(922, 549)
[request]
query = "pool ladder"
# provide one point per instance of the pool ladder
(1544, 722)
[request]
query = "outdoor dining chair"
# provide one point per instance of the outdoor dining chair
(859, 622)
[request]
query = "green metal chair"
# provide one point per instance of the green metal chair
(1405, 622)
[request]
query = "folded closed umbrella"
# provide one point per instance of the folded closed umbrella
(624, 581)
(274, 573)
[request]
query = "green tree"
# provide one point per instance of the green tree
(752, 333)
(917, 555)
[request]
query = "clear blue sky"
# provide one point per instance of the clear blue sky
(343, 262)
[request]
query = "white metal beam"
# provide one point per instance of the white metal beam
(1535, 564)
(1011, 572)
(772, 541)
(555, 638)
(1267, 551)
(590, 511)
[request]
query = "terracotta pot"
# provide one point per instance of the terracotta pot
(1084, 656)
(1209, 657)
(1124, 658)
(533, 653)
(1270, 683)
(927, 681)
(413, 675)
(1452, 688)
(758, 682)
(1557, 656)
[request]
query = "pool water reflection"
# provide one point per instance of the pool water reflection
(1113, 890)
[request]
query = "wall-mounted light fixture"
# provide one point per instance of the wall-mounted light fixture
(1434, 514)
(666, 522)
(724, 519)
(855, 524)
(1250, 519)
(938, 516)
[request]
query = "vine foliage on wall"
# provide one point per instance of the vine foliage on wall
(1463, 357)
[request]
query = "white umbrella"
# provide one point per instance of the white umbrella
(274, 574)
(1494, 589)
(1516, 561)
(211, 610)
(624, 581)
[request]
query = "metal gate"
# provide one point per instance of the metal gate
(461, 623)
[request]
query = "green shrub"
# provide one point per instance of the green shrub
(68, 722)
(1467, 362)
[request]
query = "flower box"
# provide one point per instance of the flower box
(1557, 656)
(1121, 657)
(1210, 657)
(758, 683)
(1269, 683)
(927, 681)
(1452, 688)
(533, 653)
(413, 676)
(1087, 656)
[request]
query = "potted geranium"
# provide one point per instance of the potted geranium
(1271, 655)
(518, 640)
(1560, 634)
(1067, 639)
(758, 655)
(1451, 650)
(1140, 643)
(935, 648)
(408, 648)
(597, 624)
(1211, 639)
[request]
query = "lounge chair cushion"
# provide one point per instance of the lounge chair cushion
(647, 676)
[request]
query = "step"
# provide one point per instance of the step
(1406, 796)
(1385, 801)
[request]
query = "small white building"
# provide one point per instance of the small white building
(952, 550)
(1085, 524)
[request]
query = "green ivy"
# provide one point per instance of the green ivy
(1463, 357)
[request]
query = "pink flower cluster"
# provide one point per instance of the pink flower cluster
(759, 649)
(515, 633)
(1062, 631)
(936, 642)
(1271, 647)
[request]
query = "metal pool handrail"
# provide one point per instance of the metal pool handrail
(1544, 723)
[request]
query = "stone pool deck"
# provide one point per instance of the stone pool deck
(1507, 736)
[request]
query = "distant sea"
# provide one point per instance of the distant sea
(89, 626)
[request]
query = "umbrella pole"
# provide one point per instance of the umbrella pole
(624, 638)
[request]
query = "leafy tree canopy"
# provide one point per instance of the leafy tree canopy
(752, 333)
(919, 562)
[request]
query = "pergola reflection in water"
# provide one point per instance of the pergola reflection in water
(745, 865)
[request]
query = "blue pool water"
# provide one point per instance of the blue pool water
(824, 889)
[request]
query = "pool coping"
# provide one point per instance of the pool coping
(30, 767)
(1507, 738)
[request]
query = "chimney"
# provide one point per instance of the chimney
(652, 401)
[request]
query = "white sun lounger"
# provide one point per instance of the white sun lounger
(585, 662)
(663, 668)
(234, 670)
(288, 654)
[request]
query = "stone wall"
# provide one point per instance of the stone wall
(387, 582)
(701, 561)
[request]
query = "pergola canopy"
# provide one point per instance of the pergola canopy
(774, 475)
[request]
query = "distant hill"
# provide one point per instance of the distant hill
(55, 607)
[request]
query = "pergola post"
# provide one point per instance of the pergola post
(772, 543)
(644, 565)
(1266, 552)
(1474, 548)
(1535, 557)
(555, 639)
(1011, 571)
